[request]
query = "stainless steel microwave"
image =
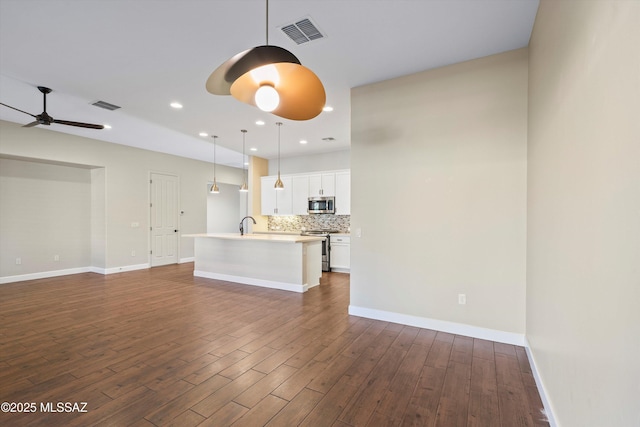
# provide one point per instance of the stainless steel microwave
(321, 205)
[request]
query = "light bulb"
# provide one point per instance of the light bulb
(267, 98)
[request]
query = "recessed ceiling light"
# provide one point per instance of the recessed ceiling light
(203, 134)
(176, 105)
(327, 108)
(107, 126)
(260, 122)
(303, 141)
(253, 149)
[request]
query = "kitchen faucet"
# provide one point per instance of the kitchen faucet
(242, 221)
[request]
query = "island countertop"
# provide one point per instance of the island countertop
(276, 238)
(288, 262)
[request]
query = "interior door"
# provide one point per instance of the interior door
(164, 219)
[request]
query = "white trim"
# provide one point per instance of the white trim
(188, 259)
(440, 325)
(56, 273)
(126, 268)
(541, 389)
(43, 275)
(253, 281)
(340, 270)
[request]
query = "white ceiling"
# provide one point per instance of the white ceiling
(144, 54)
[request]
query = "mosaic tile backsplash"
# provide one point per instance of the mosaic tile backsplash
(296, 223)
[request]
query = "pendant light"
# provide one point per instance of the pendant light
(279, 185)
(244, 187)
(214, 187)
(272, 79)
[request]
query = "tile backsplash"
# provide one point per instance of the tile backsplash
(296, 223)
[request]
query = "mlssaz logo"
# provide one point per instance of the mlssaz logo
(63, 407)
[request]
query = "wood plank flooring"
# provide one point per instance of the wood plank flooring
(159, 347)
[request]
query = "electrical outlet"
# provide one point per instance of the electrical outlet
(18, 261)
(358, 232)
(56, 257)
(462, 299)
(133, 253)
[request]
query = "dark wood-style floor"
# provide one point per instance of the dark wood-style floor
(161, 348)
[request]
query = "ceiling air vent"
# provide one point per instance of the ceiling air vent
(105, 105)
(302, 31)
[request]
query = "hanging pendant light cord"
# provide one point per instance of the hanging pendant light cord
(279, 124)
(214, 158)
(244, 133)
(267, 23)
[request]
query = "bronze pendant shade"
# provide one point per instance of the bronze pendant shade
(272, 79)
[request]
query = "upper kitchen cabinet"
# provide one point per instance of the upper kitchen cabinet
(293, 200)
(343, 193)
(322, 185)
(276, 202)
(300, 189)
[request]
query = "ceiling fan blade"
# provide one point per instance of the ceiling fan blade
(78, 124)
(14, 108)
(32, 124)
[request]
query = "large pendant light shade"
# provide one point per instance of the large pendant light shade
(272, 79)
(301, 93)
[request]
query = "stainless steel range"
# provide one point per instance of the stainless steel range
(326, 255)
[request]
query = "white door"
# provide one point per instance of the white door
(164, 219)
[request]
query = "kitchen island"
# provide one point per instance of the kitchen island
(287, 262)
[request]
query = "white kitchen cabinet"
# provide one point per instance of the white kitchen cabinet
(340, 253)
(276, 202)
(322, 185)
(300, 192)
(343, 193)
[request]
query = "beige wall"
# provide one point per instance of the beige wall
(583, 253)
(438, 162)
(48, 204)
(121, 189)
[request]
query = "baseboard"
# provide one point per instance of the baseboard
(440, 325)
(68, 271)
(541, 389)
(43, 275)
(253, 281)
(125, 268)
(185, 260)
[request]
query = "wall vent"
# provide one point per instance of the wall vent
(105, 105)
(302, 31)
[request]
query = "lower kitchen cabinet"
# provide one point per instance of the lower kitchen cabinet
(340, 253)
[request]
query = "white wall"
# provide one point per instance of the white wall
(47, 204)
(312, 163)
(124, 194)
(583, 262)
(224, 209)
(438, 176)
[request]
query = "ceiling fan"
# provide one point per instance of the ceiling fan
(45, 119)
